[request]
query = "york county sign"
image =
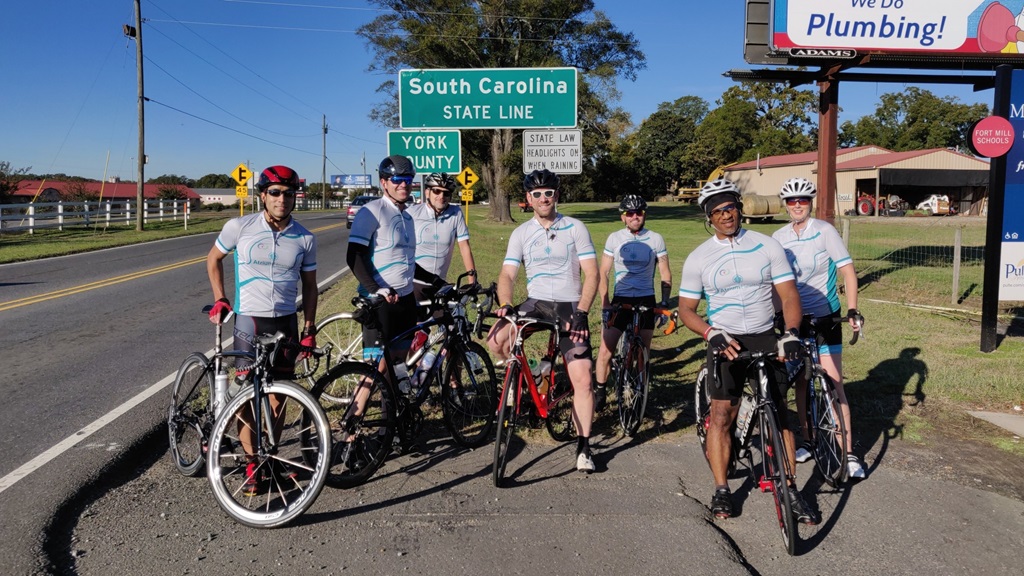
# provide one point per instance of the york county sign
(429, 150)
(487, 98)
(560, 151)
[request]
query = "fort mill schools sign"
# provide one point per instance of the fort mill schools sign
(487, 98)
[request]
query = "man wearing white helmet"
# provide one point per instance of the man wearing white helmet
(818, 256)
(738, 271)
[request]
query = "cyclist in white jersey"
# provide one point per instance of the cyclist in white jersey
(273, 254)
(738, 271)
(554, 248)
(634, 252)
(818, 256)
(439, 227)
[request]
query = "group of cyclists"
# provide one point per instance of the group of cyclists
(751, 282)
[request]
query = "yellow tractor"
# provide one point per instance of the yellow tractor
(689, 195)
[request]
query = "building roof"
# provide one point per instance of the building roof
(802, 158)
(881, 160)
(110, 190)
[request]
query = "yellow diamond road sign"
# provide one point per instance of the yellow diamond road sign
(241, 174)
(467, 177)
(241, 191)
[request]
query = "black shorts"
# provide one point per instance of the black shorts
(830, 335)
(562, 313)
(392, 320)
(623, 317)
(248, 327)
(734, 374)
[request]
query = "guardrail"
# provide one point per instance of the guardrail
(58, 215)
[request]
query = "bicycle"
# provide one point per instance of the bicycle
(550, 399)
(775, 471)
(631, 366)
(372, 416)
(826, 426)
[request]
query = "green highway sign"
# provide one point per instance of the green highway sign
(429, 150)
(487, 98)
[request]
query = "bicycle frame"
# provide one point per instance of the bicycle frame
(521, 324)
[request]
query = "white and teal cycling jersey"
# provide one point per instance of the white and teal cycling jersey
(636, 259)
(816, 255)
(436, 235)
(391, 236)
(552, 257)
(267, 264)
(736, 278)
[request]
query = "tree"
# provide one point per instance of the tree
(9, 178)
(916, 119)
(215, 181)
(172, 179)
(659, 145)
(502, 34)
(76, 191)
(170, 192)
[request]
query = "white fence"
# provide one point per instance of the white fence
(59, 215)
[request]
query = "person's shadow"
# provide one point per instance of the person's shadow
(876, 401)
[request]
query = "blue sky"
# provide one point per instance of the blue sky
(249, 80)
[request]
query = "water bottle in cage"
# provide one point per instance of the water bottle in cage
(420, 377)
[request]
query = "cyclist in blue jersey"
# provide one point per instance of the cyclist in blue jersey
(738, 271)
(554, 249)
(273, 255)
(439, 227)
(818, 256)
(635, 253)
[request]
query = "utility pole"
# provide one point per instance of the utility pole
(323, 174)
(136, 32)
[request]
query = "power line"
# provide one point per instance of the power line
(382, 10)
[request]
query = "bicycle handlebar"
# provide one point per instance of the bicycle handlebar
(829, 320)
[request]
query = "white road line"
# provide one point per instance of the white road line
(66, 444)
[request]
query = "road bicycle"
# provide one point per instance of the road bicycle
(826, 427)
(374, 413)
(773, 474)
(266, 449)
(547, 396)
(631, 366)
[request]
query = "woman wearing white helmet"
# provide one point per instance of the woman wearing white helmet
(819, 257)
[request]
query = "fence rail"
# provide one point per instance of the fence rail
(60, 215)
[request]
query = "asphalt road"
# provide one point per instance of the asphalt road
(82, 335)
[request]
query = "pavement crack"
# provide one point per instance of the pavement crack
(709, 519)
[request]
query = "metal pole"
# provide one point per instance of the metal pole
(139, 223)
(994, 224)
(828, 119)
(323, 174)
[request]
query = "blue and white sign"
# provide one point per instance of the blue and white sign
(1011, 265)
(350, 181)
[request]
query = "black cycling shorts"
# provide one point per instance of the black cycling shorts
(392, 320)
(733, 374)
(248, 327)
(623, 317)
(562, 313)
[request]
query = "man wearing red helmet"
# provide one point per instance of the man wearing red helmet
(273, 254)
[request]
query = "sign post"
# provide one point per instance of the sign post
(241, 174)
(467, 178)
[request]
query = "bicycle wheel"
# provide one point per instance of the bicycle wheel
(361, 408)
(828, 429)
(559, 421)
(702, 407)
(508, 416)
(468, 394)
(189, 418)
(345, 337)
(775, 465)
(631, 387)
(289, 469)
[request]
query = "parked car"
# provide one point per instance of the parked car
(354, 207)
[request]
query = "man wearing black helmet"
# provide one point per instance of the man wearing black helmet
(738, 271)
(273, 254)
(634, 252)
(439, 226)
(554, 249)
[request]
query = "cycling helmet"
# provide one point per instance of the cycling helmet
(278, 175)
(540, 179)
(797, 188)
(715, 188)
(396, 165)
(439, 180)
(632, 203)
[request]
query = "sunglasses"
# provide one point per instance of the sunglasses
(797, 201)
(441, 191)
(407, 180)
(539, 193)
(276, 193)
(723, 209)
(631, 213)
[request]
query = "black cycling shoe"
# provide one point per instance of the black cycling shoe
(802, 511)
(721, 503)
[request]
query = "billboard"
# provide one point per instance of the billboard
(935, 29)
(1011, 266)
(350, 181)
